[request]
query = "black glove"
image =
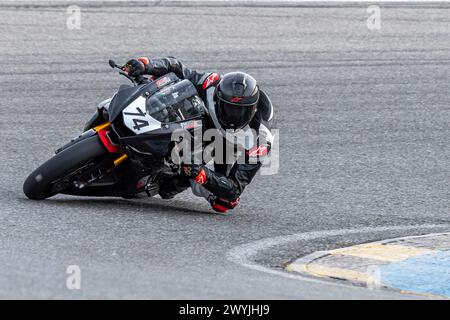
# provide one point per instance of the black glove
(223, 205)
(134, 68)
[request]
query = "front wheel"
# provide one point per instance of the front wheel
(41, 182)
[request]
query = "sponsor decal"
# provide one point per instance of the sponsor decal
(258, 151)
(212, 78)
(144, 60)
(189, 124)
(236, 99)
(162, 81)
(201, 177)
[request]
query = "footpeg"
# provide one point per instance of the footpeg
(152, 190)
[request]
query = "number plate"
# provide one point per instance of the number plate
(136, 118)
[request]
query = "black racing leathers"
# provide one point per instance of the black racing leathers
(223, 182)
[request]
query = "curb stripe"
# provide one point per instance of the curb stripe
(244, 254)
(409, 269)
(322, 271)
(382, 252)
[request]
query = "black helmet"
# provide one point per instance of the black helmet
(236, 97)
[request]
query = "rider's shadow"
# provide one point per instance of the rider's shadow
(166, 206)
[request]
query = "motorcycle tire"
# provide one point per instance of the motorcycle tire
(38, 185)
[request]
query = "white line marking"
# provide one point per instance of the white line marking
(243, 254)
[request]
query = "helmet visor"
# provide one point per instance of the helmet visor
(234, 116)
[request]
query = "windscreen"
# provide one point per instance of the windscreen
(177, 102)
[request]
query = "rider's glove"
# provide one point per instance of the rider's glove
(223, 205)
(135, 68)
(197, 172)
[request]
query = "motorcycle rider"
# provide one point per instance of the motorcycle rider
(233, 102)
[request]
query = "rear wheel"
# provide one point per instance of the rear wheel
(42, 182)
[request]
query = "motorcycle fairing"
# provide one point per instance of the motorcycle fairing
(157, 143)
(136, 118)
(127, 94)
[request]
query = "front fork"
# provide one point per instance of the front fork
(102, 168)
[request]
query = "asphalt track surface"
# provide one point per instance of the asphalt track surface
(364, 146)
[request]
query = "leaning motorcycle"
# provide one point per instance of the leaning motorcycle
(126, 146)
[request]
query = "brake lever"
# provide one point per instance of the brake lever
(138, 81)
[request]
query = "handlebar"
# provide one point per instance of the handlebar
(122, 72)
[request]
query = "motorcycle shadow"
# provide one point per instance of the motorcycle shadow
(144, 205)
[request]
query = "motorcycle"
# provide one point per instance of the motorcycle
(125, 148)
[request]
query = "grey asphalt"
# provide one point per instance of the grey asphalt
(364, 142)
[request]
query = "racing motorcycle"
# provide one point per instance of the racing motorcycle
(125, 148)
